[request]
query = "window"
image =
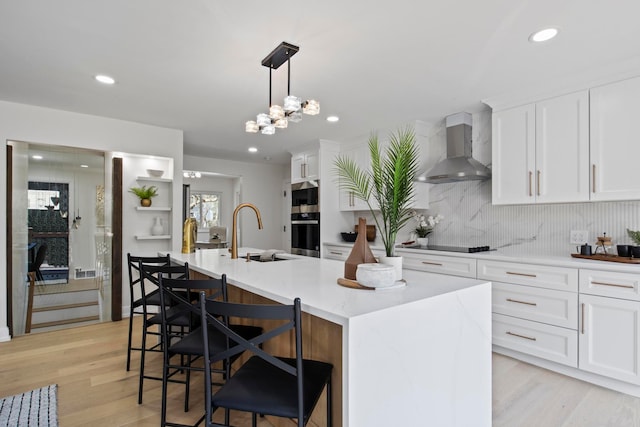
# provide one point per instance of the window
(205, 208)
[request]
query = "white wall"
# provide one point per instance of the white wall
(261, 184)
(28, 123)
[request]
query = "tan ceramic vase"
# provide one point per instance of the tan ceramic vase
(145, 202)
(361, 252)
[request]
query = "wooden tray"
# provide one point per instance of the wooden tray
(348, 283)
(610, 258)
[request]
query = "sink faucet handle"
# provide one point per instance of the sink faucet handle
(248, 257)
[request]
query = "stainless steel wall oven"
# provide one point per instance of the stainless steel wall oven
(305, 234)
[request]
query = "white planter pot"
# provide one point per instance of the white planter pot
(423, 241)
(395, 261)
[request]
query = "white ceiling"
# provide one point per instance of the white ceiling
(195, 65)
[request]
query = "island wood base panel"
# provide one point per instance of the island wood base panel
(321, 340)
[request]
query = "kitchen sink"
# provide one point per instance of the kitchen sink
(272, 258)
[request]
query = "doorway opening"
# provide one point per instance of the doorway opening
(61, 232)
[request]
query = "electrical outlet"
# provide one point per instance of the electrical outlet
(579, 236)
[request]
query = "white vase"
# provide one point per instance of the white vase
(157, 228)
(395, 261)
(423, 241)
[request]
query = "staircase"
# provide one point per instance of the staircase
(69, 305)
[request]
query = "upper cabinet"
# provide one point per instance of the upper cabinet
(305, 166)
(572, 148)
(360, 154)
(614, 149)
(541, 151)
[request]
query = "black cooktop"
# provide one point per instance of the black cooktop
(467, 249)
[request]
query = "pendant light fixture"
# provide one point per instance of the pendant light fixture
(293, 107)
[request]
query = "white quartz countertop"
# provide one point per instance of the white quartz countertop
(313, 280)
(500, 255)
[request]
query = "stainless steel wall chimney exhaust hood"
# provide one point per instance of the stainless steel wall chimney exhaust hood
(459, 165)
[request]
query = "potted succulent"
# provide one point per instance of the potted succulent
(145, 194)
(390, 182)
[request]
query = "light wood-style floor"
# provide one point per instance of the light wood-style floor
(88, 364)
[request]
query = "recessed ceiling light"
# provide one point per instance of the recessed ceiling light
(84, 166)
(105, 79)
(253, 150)
(333, 119)
(36, 157)
(543, 35)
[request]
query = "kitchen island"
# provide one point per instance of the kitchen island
(414, 355)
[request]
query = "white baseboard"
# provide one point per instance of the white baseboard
(4, 334)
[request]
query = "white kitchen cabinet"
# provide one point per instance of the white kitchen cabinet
(513, 155)
(341, 252)
(541, 276)
(609, 342)
(534, 309)
(610, 284)
(537, 339)
(454, 266)
(360, 155)
(305, 166)
(557, 308)
(541, 151)
(614, 146)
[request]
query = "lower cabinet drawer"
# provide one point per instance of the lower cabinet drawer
(336, 252)
(556, 308)
(610, 284)
(537, 339)
(465, 267)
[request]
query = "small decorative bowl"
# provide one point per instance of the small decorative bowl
(375, 275)
(156, 173)
(349, 237)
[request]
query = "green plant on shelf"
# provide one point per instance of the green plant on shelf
(634, 235)
(145, 194)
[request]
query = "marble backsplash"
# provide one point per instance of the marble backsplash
(471, 220)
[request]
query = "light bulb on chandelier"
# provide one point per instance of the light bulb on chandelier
(293, 107)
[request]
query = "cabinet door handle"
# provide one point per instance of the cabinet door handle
(593, 178)
(530, 185)
(582, 322)
(432, 263)
(521, 336)
(521, 274)
(538, 183)
(613, 284)
(335, 253)
(522, 302)
(301, 170)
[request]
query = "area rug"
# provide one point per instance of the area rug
(34, 408)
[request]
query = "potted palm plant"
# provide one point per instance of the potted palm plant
(389, 182)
